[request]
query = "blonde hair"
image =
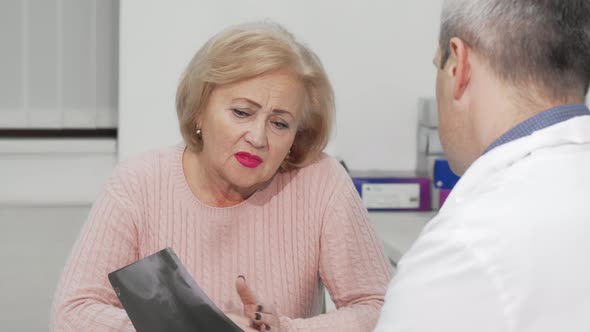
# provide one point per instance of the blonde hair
(249, 50)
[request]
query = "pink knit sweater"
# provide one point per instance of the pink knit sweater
(306, 229)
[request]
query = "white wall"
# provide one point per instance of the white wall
(54, 171)
(377, 53)
(34, 245)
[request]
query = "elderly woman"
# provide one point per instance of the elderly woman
(249, 193)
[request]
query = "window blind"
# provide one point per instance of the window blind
(58, 64)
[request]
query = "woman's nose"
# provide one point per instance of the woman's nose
(256, 135)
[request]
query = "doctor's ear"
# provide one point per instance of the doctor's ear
(458, 66)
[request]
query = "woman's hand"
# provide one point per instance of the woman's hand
(242, 322)
(262, 314)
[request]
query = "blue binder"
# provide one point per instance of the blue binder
(444, 178)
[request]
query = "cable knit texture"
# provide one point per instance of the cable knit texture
(306, 229)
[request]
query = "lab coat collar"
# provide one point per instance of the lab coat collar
(573, 131)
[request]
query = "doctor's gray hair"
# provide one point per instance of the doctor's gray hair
(545, 43)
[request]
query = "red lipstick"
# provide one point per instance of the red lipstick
(248, 160)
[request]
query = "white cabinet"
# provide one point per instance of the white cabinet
(398, 230)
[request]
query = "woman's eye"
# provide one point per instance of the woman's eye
(240, 114)
(280, 125)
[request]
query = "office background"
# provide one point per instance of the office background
(103, 64)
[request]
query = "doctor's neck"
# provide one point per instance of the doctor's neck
(500, 106)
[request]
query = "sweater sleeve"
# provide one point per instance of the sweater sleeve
(353, 266)
(85, 300)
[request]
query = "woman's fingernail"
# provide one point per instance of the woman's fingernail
(258, 316)
(268, 327)
(259, 308)
(241, 276)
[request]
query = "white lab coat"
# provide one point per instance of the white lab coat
(510, 249)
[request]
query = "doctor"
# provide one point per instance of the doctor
(509, 249)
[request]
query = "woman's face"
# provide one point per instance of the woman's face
(249, 126)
